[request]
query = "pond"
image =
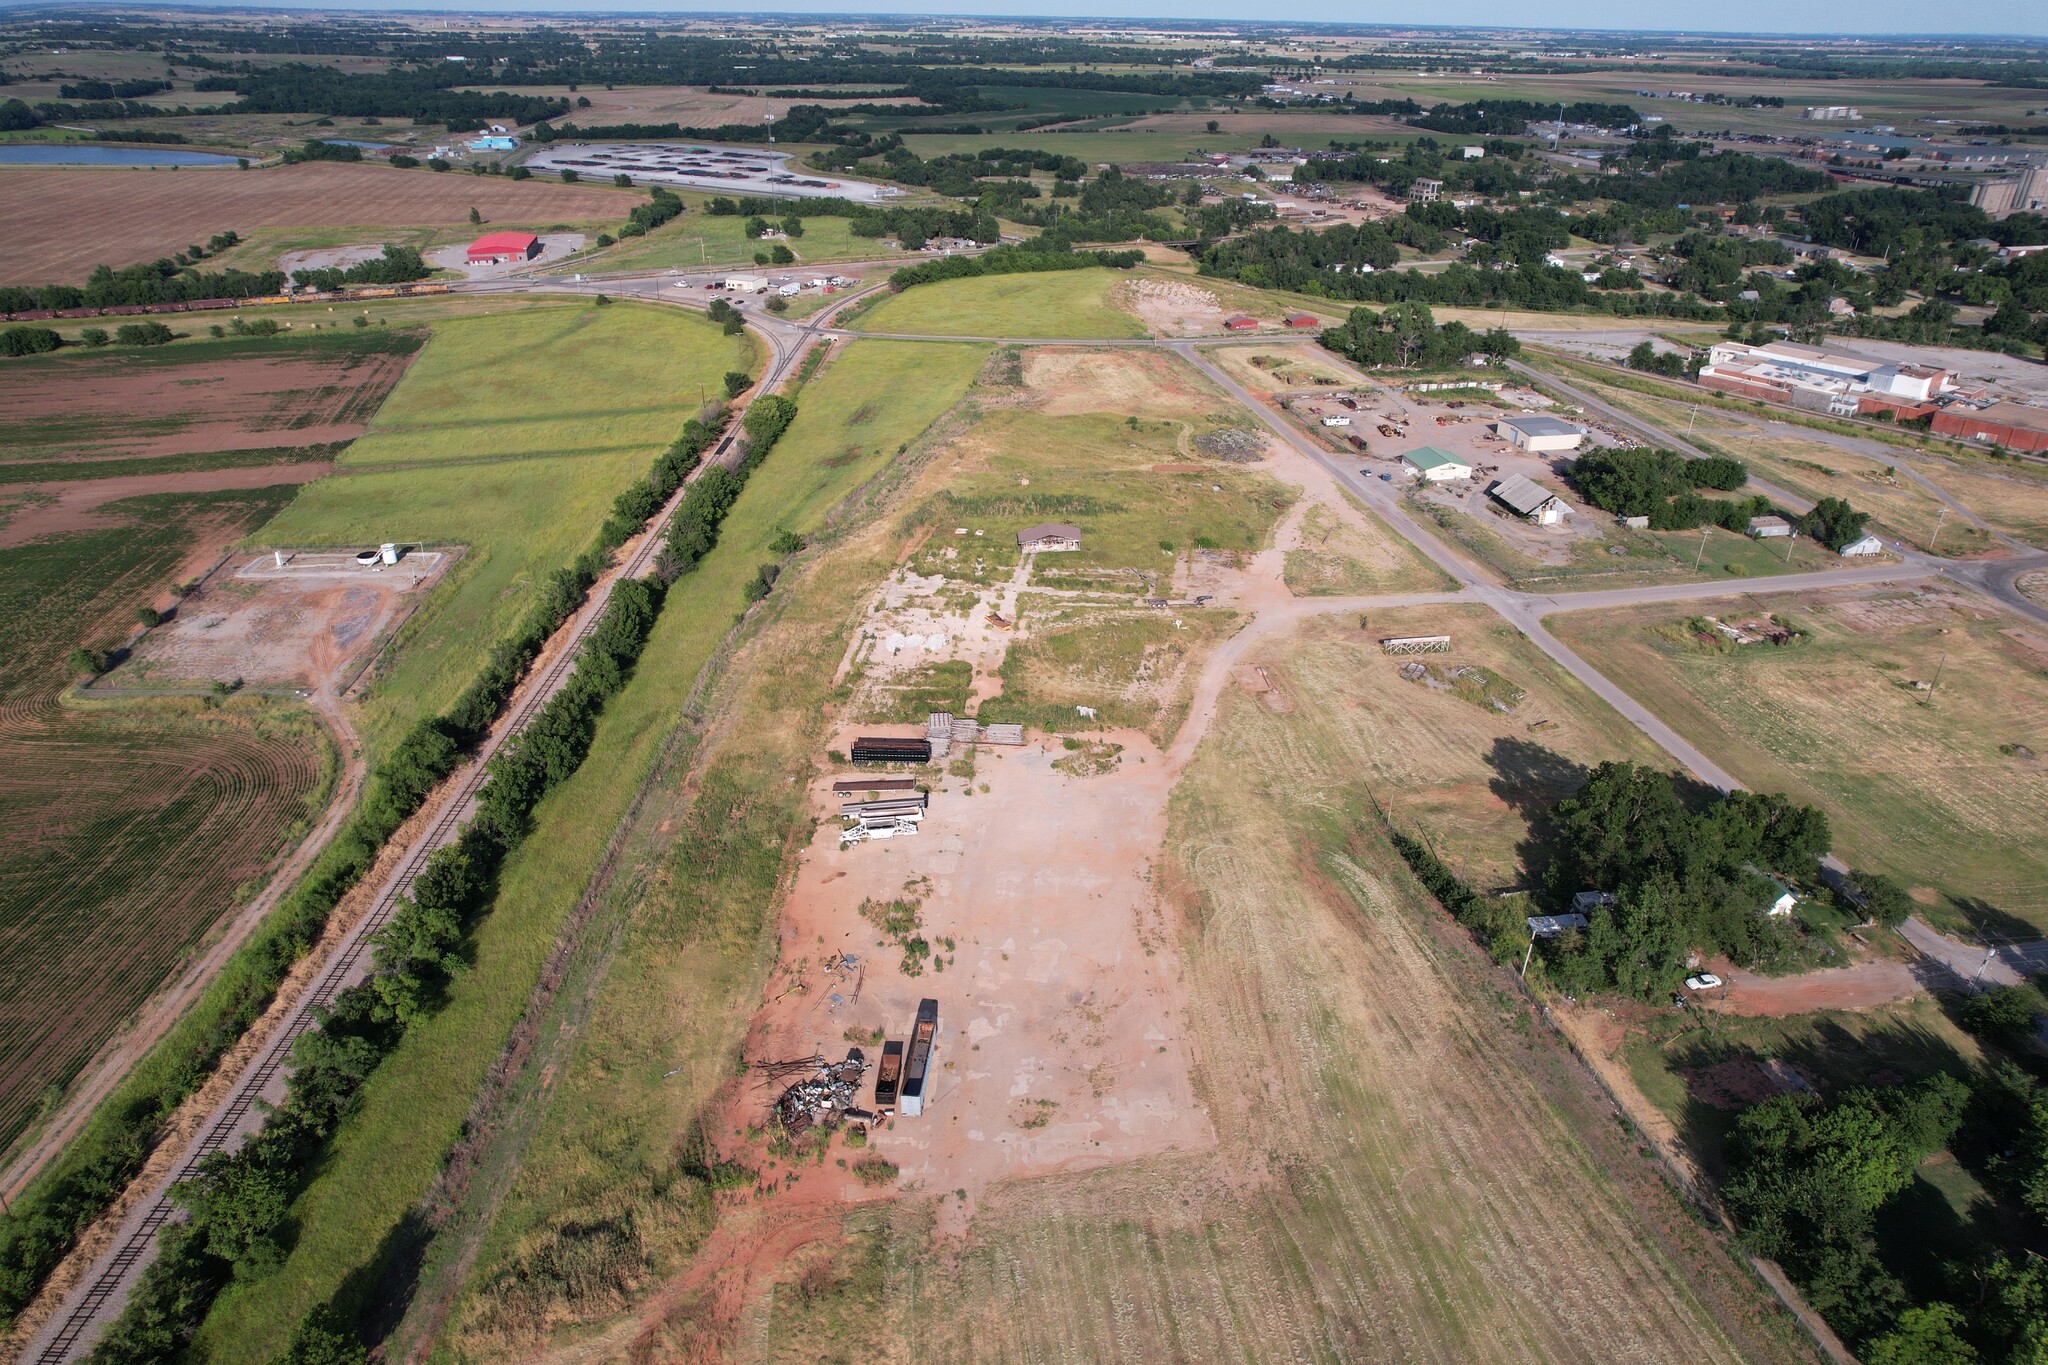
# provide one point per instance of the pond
(92, 154)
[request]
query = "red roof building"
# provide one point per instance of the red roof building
(1239, 324)
(497, 248)
(1304, 320)
(2012, 425)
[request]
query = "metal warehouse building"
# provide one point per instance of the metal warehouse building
(1537, 433)
(500, 248)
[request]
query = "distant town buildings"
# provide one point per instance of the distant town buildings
(1839, 382)
(1832, 111)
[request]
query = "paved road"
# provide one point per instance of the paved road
(101, 1294)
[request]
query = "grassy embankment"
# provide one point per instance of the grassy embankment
(509, 435)
(699, 239)
(1402, 1155)
(352, 1223)
(1925, 787)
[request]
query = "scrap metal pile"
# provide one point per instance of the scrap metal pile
(823, 1097)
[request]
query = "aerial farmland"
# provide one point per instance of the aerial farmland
(769, 688)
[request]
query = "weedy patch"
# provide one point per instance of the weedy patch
(899, 922)
(1475, 683)
(1089, 758)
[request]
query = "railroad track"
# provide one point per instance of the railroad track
(67, 1340)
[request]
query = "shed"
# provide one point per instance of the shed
(1303, 321)
(499, 248)
(1586, 902)
(1769, 528)
(1779, 899)
(1529, 500)
(1865, 544)
(1051, 535)
(1437, 466)
(1240, 324)
(1533, 431)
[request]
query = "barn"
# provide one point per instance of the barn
(501, 248)
(1437, 466)
(1240, 324)
(1529, 500)
(1304, 322)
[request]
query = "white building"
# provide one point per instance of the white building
(1437, 466)
(746, 284)
(1865, 544)
(1535, 432)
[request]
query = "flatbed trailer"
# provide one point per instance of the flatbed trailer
(917, 1064)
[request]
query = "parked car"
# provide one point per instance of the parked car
(1705, 981)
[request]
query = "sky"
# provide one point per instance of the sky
(1829, 17)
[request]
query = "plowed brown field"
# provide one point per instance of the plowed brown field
(56, 225)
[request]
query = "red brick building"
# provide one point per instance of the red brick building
(2012, 425)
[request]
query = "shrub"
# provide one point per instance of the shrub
(97, 337)
(142, 334)
(28, 341)
(2002, 1013)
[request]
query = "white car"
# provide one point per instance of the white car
(1705, 981)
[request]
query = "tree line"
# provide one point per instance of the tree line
(1009, 260)
(1407, 336)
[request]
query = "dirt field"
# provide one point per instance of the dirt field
(1063, 1041)
(235, 395)
(311, 625)
(138, 215)
(1284, 366)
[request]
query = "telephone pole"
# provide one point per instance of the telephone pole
(1935, 539)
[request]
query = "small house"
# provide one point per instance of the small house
(1050, 536)
(1779, 899)
(1586, 902)
(1536, 433)
(1240, 324)
(1529, 500)
(1769, 528)
(1437, 466)
(1303, 322)
(1865, 544)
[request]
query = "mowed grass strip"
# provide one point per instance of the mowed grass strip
(1057, 303)
(508, 437)
(350, 1219)
(1917, 785)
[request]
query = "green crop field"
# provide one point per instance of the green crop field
(509, 437)
(1064, 303)
(1925, 787)
(413, 1109)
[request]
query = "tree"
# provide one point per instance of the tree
(94, 337)
(88, 661)
(148, 616)
(2004, 1014)
(143, 334)
(737, 382)
(28, 341)
(521, 173)
(1833, 522)
(778, 304)
(623, 181)
(780, 254)
(323, 1338)
(236, 1205)
(1884, 900)
(1925, 1336)
(1214, 126)
(569, 177)
(474, 217)
(792, 227)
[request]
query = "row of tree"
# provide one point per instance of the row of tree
(1407, 336)
(398, 265)
(108, 1153)
(1010, 260)
(239, 1201)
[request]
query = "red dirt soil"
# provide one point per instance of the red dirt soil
(76, 503)
(139, 215)
(125, 406)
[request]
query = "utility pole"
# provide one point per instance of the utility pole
(1694, 418)
(1700, 558)
(1937, 676)
(1789, 540)
(1935, 539)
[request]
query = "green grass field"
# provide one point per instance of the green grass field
(1920, 787)
(347, 1220)
(1065, 303)
(509, 436)
(698, 239)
